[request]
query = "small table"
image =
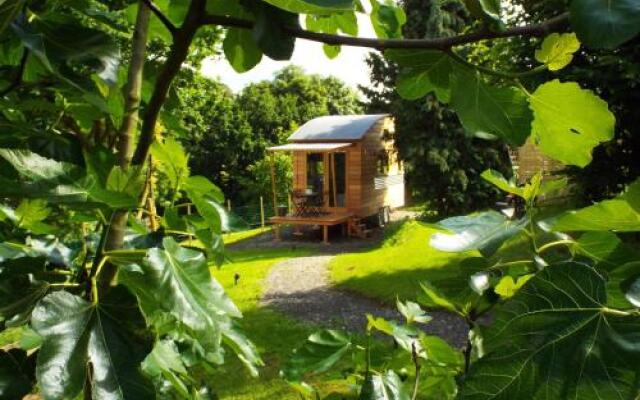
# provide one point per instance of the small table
(308, 204)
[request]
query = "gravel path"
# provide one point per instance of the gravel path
(300, 287)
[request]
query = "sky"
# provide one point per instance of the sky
(349, 66)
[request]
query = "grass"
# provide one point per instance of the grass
(274, 334)
(234, 237)
(398, 265)
(10, 336)
(230, 238)
(418, 207)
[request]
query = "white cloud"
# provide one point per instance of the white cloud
(349, 66)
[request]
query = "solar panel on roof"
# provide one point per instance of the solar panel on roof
(336, 127)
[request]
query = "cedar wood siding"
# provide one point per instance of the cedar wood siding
(372, 144)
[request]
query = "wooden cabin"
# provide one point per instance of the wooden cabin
(527, 161)
(345, 168)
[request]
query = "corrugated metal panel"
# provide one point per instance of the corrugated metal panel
(383, 182)
(309, 147)
(336, 127)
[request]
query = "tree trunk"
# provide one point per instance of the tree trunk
(182, 39)
(179, 50)
(134, 86)
(115, 236)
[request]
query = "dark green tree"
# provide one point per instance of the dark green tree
(614, 76)
(214, 123)
(442, 162)
(275, 108)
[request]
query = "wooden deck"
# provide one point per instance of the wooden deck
(325, 221)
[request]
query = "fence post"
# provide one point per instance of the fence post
(261, 211)
(229, 205)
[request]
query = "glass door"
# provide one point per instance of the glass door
(316, 171)
(337, 179)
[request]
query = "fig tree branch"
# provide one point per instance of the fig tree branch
(555, 24)
(163, 18)
(182, 39)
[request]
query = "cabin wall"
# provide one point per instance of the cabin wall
(354, 178)
(380, 189)
(299, 170)
(528, 161)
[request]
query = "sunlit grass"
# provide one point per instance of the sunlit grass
(234, 237)
(10, 336)
(396, 268)
(229, 238)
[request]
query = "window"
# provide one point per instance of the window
(315, 173)
(382, 163)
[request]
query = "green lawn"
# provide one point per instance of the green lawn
(9, 336)
(230, 238)
(274, 334)
(234, 237)
(396, 267)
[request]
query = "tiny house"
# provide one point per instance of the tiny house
(345, 168)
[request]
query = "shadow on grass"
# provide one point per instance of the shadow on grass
(311, 240)
(275, 336)
(263, 254)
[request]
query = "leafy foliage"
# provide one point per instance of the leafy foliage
(320, 352)
(76, 333)
(387, 19)
(605, 25)
(15, 374)
(609, 75)
(617, 214)
(576, 136)
(439, 156)
(383, 386)
(556, 51)
(556, 338)
(259, 182)
(422, 72)
(484, 232)
(275, 108)
(488, 111)
(329, 349)
(240, 50)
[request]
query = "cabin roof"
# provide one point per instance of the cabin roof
(336, 127)
(309, 147)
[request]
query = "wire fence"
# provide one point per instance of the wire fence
(255, 215)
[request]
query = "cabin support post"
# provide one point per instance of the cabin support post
(333, 178)
(325, 234)
(272, 166)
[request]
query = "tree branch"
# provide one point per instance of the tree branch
(126, 135)
(163, 18)
(134, 85)
(178, 53)
(416, 362)
(500, 74)
(555, 24)
(18, 78)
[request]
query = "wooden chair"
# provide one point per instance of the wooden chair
(299, 202)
